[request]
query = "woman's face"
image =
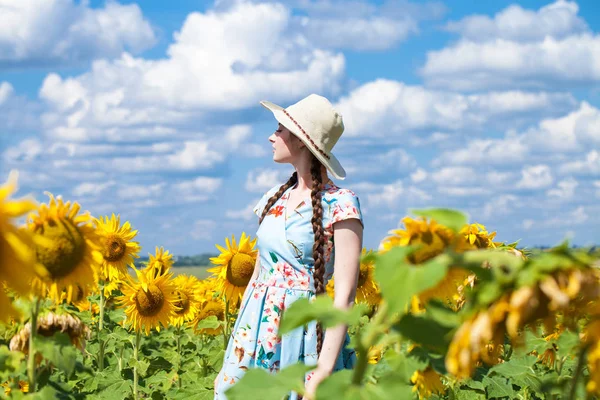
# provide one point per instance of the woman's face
(286, 146)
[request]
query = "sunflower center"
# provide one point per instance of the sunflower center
(114, 248)
(214, 308)
(149, 303)
(64, 249)
(240, 268)
(183, 302)
(363, 274)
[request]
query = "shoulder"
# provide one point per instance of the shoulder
(272, 191)
(336, 193)
(264, 199)
(342, 204)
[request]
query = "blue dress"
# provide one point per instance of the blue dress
(285, 241)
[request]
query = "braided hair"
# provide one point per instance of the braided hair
(317, 224)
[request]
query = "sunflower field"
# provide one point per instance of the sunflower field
(442, 312)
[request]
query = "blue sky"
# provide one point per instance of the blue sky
(150, 110)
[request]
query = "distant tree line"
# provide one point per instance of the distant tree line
(182, 261)
(204, 259)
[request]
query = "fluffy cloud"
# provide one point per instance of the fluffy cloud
(372, 33)
(261, 180)
(355, 25)
(535, 177)
(505, 151)
(373, 162)
(564, 190)
(390, 194)
(558, 20)
(381, 107)
(219, 61)
(590, 165)
(573, 132)
(517, 48)
(60, 32)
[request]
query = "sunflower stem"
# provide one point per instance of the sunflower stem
(179, 352)
(226, 329)
(578, 371)
(135, 367)
(100, 327)
(364, 343)
(31, 360)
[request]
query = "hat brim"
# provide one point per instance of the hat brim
(332, 164)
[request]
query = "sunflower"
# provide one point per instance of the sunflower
(66, 245)
(118, 249)
(161, 263)
(214, 307)
(48, 325)
(23, 387)
(430, 237)
(17, 260)
(111, 286)
(476, 236)
(367, 291)
(188, 299)
(207, 289)
(427, 382)
(149, 301)
(234, 267)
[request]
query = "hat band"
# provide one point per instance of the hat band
(305, 134)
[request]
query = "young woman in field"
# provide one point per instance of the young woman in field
(309, 231)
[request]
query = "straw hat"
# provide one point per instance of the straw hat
(314, 121)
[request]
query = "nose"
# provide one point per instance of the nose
(272, 138)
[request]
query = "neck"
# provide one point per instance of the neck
(305, 177)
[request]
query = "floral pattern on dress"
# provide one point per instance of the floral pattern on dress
(285, 275)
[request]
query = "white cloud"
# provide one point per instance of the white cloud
(455, 175)
(501, 205)
(355, 25)
(528, 224)
(195, 190)
(141, 192)
(419, 175)
(378, 162)
(61, 32)
(517, 48)
(390, 194)
(589, 166)
(457, 191)
(535, 177)
(26, 151)
(218, 61)
(381, 107)
(507, 151)
(92, 188)
(576, 216)
(572, 132)
(564, 190)
(203, 229)
(371, 33)
(261, 180)
(245, 214)
(6, 90)
(498, 178)
(557, 20)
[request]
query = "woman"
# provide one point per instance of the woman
(309, 230)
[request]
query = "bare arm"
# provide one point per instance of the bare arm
(348, 236)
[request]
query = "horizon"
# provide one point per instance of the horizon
(151, 110)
